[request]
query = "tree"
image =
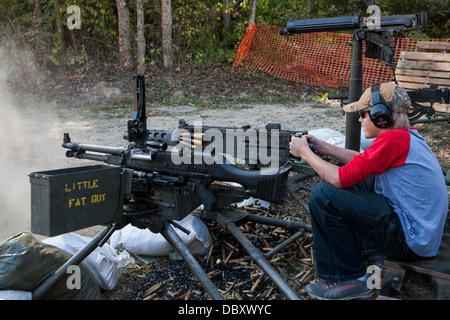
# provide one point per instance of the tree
(251, 20)
(226, 15)
(59, 22)
(166, 33)
(140, 37)
(124, 34)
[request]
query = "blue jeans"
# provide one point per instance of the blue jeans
(349, 224)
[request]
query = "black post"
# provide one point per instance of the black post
(352, 125)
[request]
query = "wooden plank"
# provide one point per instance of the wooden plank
(432, 45)
(423, 73)
(441, 107)
(425, 56)
(427, 65)
(425, 81)
(417, 70)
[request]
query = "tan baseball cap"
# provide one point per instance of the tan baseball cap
(396, 96)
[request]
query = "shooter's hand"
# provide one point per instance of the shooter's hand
(298, 146)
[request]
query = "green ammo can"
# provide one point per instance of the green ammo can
(71, 199)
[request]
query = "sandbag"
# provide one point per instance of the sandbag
(104, 262)
(329, 135)
(145, 242)
(338, 139)
(25, 263)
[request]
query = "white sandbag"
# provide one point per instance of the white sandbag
(104, 262)
(328, 135)
(15, 295)
(254, 201)
(145, 242)
(338, 139)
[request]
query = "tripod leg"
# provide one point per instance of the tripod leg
(279, 223)
(75, 260)
(261, 261)
(172, 237)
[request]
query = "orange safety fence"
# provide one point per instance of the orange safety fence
(320, 58)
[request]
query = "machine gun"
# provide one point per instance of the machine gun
(162, 176)
(430, 95)
(376, 32)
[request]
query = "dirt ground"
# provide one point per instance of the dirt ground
(33, 125)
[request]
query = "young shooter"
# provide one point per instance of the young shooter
(390, 200)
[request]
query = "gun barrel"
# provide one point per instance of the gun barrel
(321, 25)
(94, 148)
(404, 22)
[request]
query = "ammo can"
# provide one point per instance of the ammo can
(71, 199)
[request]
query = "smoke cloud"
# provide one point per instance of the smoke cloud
(30, 138)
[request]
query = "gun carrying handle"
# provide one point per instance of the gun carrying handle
(137, 126)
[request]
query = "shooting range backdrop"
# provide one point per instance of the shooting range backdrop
(321, 58)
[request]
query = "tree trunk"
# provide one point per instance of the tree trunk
(37, 8)
(226, 16)
(59, 22)
(166, 30)
(252, 18)
(124, 34)
(140, 38)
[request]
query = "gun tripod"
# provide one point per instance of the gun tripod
(228, 218)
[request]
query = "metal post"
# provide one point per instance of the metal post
(172, 237)
(352, 125)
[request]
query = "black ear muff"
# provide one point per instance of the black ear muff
(381, 112)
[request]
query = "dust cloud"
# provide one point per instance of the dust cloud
(30, 140)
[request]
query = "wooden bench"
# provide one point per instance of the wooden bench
(428, 66)
(435, 270)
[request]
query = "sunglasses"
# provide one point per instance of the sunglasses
(363, 112)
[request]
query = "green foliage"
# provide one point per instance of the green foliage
(198, 26)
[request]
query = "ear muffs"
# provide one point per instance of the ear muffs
(381, 112)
